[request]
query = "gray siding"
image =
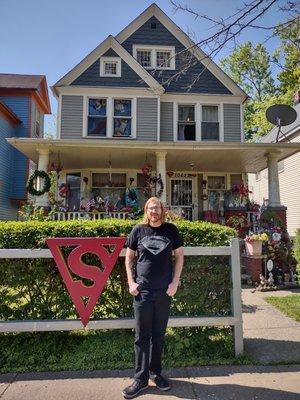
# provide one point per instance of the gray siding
(71, 117)
(206, 82)
(146, 124)
(166, 122)
(91, 76)
(232, 123)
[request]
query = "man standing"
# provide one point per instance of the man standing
(152, 286)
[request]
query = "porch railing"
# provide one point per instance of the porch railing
(234, 320)
(82, 215)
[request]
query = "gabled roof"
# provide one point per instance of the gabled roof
(110, 43)
(154, 10)
(15, 81)
(287, 130)
(35, 83)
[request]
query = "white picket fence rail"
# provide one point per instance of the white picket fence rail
(234, 320)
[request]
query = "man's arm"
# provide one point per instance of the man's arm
(129, 262)
(173, 286)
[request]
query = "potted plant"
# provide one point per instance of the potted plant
(253, 243)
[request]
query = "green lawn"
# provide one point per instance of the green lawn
(95, 350)
(289, 305)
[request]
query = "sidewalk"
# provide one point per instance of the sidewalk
(201, 383)
(269, 336)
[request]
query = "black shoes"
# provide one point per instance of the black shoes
(161, 382)
(134, 389)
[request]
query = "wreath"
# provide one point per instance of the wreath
(32, 180)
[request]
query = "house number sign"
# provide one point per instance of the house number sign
(73, 270)
(183, 175)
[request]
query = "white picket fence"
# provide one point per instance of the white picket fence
(234, 320)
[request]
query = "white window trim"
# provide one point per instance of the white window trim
(198, 119)
(109, 117)
(153, 50)
(103, 60)
(220, 121)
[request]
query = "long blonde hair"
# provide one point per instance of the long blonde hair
(163, 210)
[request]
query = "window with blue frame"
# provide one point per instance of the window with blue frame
(97, 117)
(122, 118)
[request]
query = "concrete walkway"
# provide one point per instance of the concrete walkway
(270, 337)
(202, 383)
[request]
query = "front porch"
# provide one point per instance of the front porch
(110, 178)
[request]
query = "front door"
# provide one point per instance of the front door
(182, 191)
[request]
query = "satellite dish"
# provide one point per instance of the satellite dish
(281, 115)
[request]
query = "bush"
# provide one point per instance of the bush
(33, 288)
(296, 252)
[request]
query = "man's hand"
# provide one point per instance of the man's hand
(133, 289)
(172, 289)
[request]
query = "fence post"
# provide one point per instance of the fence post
(236, 297)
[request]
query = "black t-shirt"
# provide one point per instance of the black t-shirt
(154, 246)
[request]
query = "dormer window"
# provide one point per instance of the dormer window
(110, 67)
(155, 57)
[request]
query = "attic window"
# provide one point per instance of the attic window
(110, 66)
(155, 57)
(153, 25)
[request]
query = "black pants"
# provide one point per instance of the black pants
(151, 310)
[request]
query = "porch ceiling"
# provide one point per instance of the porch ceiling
(127, 154)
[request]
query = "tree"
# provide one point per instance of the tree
(287, 56)
(249, 67)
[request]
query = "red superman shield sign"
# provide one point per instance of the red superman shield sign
(108, 251)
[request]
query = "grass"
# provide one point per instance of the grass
(96, 350)
(289, 305)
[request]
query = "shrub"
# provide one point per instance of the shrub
(296, 252)
(33, 288)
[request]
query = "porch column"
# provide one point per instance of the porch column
(161, 169)
(43, 200)
(273, 179)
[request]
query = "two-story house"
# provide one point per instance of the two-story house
(23, 102)
(132, 104)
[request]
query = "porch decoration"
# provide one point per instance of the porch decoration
(56, 166)
(64, 190)
(31, 184)
(253, 243)
(146, 169)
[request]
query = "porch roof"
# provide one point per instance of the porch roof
(129, 154)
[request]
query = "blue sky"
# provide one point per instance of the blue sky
(51, 37)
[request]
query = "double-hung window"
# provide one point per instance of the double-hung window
(122, 118)
(210, 123)
(97, 117)
(110, 117)
(186, 122)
